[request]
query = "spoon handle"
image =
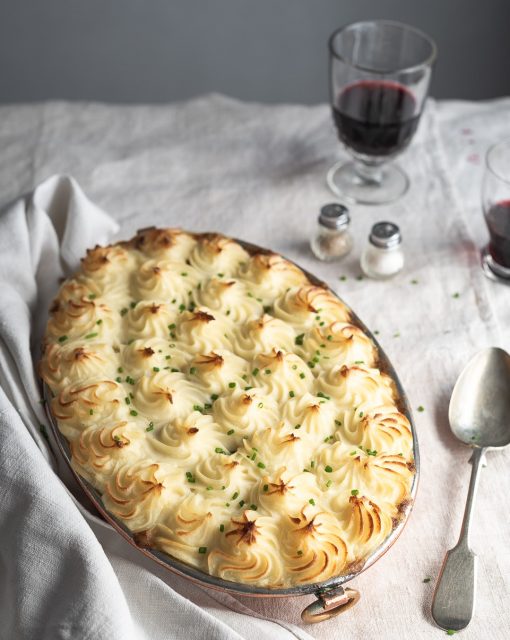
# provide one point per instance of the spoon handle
(454, 597)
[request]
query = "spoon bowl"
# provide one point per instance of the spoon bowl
(479, 410)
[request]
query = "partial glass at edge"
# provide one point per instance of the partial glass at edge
(496, 209)
(379, 78)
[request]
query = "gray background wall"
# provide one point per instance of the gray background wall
(264, 50)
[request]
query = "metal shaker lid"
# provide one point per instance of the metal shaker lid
(334, 216)
(385, 235)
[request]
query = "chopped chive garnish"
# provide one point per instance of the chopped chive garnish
(63, 338)
(312, 501)
(328, 469)
(231, 385)
(92, 296)
(420, 408)
(182, 307)
(222, 528)
(220, 450)
(235, 495)
(260, 405)
(133, 412)
(150, 427)
(127, 400)
(298, 426)
(265, 487)
(193, 370)
(255, 371)
(338, 423)
(202, 550)
(299, 552)
(267, 371)
(425, 580)
(302, 376)
(241, 503)
(361, 414)
(353, 453)
(99, 321)
(253, 507)
(329, 483)
(118, 379)
(323, 395)
(312, 464)
(354, 492)
(91, 412)
(261, 465)
(299, 339)
(291, 394)
(214, 397)
(90, 335)
(230, 432)
(155, 369)
(330, 337)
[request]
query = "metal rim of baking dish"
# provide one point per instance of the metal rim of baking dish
(333, 598)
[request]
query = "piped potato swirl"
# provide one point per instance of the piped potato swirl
(231, 413)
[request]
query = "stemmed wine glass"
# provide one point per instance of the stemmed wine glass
(496, 209)
(379, 78)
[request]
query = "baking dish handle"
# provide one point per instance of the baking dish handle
(330, 603)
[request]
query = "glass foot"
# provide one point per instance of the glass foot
(493, 270)
(387, 185)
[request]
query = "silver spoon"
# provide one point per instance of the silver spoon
(479, 416)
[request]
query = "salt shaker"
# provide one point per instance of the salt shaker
(383, 257)
(332, 240)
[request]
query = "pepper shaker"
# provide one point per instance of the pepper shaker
(332, 240)
(383, 257)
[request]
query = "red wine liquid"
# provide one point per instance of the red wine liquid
(375, 118)
(498, 222)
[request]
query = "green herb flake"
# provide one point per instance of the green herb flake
(133, 412)
(450, 632)
(354, 492)
(328, 469)
(92, 296)
(421, 409)
(299, 552)
(91, 412)
(261, 465)
(312, 502)
(253, 507)
(255, 371)
(214, 397)
(155, 369)
(230, 432)
(414, 281)
(241, 503)
(231, 385)
(235, 495)
(291, 394)
(298, 426)
(150, 427)
(299, 339)
(265, 487)
(302, 375)
(260, 405)
(267, 371)
(456, 295)
(342, 278)
(63, 338)
(426, 580)
(353, 453)
(90, 335)
(202, 549)
(222, 528)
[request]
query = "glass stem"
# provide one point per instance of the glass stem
(371, 174)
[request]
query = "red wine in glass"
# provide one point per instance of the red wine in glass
(498, 223)
(375, 117)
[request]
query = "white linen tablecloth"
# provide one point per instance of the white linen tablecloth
(258, 173)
